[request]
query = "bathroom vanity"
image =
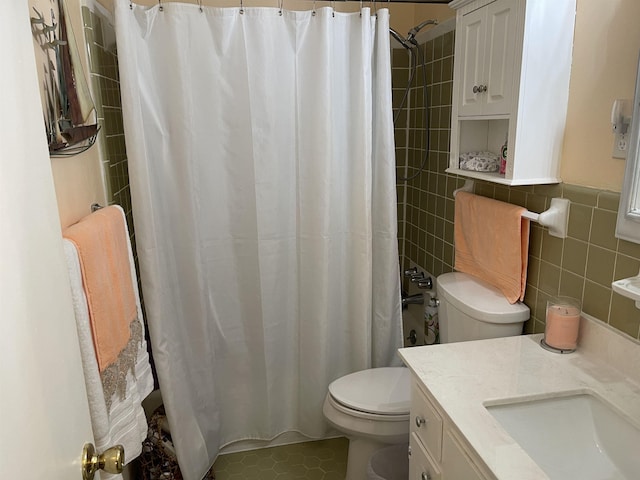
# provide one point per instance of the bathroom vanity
(435, 444)
(508, 409)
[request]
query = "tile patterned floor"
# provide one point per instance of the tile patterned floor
(319, 460)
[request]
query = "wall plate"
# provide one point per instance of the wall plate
(620, 145)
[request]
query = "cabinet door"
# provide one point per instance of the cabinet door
(456, 464)
(500, 57)
(472, 38)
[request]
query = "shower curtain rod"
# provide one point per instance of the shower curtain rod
(422, 2)
(425, 2)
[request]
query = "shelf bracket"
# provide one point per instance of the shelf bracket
(628, 287)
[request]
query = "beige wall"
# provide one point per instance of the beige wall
(78, 183)
(78, 180)
(439, 12)
(405, 16)
(605, 54)
(402, 14)
(606, 45)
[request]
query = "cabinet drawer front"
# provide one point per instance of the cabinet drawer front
(421, 465)
(426, 422)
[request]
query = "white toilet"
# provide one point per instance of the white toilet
(371, 407)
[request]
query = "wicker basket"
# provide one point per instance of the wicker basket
(158, 459)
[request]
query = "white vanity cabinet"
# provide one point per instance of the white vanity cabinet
(437, 451)
(512, 68)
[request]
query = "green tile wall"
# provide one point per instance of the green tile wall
(583, 265)
(103, 64)
(100, 42)
(425, 204)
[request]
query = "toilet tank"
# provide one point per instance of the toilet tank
(473, 310)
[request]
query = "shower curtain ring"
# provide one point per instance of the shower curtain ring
(200, 5)
(161, 8)
(241, 7)
(130, 5)
(361, 7)
(313, 12)
(280, 4)
(333, 9)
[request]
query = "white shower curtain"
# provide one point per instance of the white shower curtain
(262, 173)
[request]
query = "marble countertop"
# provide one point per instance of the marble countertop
(464, 377)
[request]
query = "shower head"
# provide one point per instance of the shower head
(403, 41)
(411, 36)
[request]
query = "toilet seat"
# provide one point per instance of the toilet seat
(357, 415)
(377, 391)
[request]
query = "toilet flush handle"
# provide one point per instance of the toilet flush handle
(420, 421)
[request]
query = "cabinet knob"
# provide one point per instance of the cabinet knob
(420, 421)
(476, 89)
(425, 476)
(483, 88)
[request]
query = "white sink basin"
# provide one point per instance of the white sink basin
(573, 437)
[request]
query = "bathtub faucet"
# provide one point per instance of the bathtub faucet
(417, 299)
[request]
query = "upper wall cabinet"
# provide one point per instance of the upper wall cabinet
(487, 39)
(511, 85)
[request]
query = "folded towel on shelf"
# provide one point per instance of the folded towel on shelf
(492, 243)
(116, 417)
(479, 161)
(101, 242)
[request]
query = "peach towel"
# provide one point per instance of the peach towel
(101, 242)
(492, 243)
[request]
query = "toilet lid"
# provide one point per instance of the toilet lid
(385, 391)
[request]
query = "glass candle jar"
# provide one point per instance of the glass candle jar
(562, 324)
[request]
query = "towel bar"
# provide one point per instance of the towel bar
(556, 218)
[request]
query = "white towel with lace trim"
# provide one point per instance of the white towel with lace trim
(124, 422)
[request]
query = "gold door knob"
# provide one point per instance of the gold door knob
(111, 460)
